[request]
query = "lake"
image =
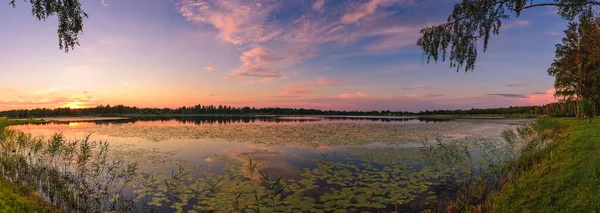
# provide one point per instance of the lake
(324, 162)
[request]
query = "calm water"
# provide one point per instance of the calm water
(284, 160)
(209, 120)
(287, 147)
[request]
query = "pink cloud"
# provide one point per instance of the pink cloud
(259, 62)
(294, 89)
(362, 11)
(354, 95)
(422, 95)
(522, 99)
(308, 87)
(262, 62)
(276, 46)
(318, 5)
(257, 55)
(327, 82)
(237, 21)
(516, 24)
(210, 68)
(392, 43)
(541, 99)
(416, 87)
(387, 38)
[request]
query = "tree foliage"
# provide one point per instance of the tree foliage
(565, 67)
(190, 110)
(577, 65)
(561, 109)
(474, 20)
(70, 19)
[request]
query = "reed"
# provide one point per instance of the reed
(88, 176)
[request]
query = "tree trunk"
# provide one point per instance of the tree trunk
(577, 109)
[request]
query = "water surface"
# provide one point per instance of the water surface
(279, 142)
(290, 147)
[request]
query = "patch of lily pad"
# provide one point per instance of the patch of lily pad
(126, 178)
(311, 135)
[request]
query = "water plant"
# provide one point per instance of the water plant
(443, 174)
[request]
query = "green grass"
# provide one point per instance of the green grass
(564, 178)
(4, 122)
(14, 198)
(17, 199)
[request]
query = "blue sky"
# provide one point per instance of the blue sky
(327, 54)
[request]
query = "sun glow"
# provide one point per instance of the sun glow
(74, 105)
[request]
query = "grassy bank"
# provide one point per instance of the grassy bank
(564, 177)
(14, 198)
(4, 122)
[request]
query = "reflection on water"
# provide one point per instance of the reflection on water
(283, 159)
(209, 120)
(385, 176)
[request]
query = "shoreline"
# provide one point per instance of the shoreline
(138, 116)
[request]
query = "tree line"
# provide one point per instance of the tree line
(562, 109)
(556, 109)
(193, 110)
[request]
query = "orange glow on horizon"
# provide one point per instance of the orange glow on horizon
(74, 105)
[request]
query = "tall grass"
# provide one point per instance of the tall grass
(562, 176)
(474, 179)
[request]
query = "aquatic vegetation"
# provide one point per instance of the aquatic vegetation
(79, 175)
(310, 135)
(487, 165)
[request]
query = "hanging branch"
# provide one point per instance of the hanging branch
(70, 19)
(472, 20)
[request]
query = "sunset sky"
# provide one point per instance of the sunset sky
(326, 54)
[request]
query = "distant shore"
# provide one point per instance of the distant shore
(116, 117)
(73, 119)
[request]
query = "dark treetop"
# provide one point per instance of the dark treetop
(472, 20)
(70, 19)
(566, 108)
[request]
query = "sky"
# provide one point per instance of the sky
(323, 54)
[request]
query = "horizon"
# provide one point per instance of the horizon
(271, 107)
(337, 55)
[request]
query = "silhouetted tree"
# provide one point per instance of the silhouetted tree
(70, 19)
(472, 20)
